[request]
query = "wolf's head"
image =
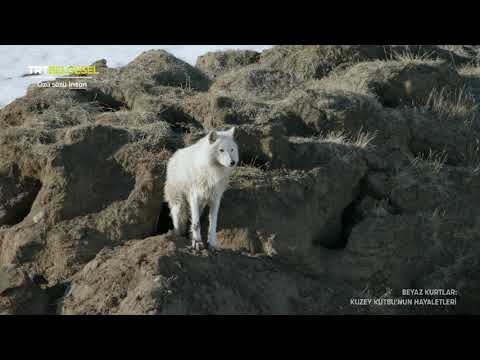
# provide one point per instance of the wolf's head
(223, 148)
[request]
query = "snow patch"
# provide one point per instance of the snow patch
(15, 59)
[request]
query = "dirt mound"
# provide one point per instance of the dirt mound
(403, 82)
(92, 182)
(158, 67)
(307, 62)
(217, 63)
(254, 82)
(158, 275)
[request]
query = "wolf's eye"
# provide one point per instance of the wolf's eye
(221, 150)
(231, 150)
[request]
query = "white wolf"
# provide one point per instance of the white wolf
(196, 176)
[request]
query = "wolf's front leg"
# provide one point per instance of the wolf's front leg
(196, 234)
(213, 215)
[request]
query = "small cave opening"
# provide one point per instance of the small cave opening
(350, 218)
(39, 280)
(351, 215)
(341, 227)
(336, 231)
(295, 126)
(17, 207)
(54, 293)
(164, 221)
(55, 296)
(180, 122)
(104, 101)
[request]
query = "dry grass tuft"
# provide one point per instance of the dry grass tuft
(471, 156)
(336, 137)
(432, 162)
(254, 163)
(406, 56)
(453, 104)
(469, 70)
(362, 140)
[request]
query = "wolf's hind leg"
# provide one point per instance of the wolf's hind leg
(178, 213)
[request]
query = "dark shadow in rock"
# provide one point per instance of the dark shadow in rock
(55, 294)
(331, 236)
(39, 280)
(350, 217)
(204, 223)
(179, 121)
(295, 126)
(164, 223)
(104, 101)
(16, 199)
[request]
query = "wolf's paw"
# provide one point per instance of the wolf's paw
(197, 245)
(214, 246)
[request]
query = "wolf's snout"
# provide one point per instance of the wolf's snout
(232, 163)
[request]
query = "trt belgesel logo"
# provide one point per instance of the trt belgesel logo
(63, 71)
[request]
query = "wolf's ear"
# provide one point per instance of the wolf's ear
(230, 132)
(212, 136)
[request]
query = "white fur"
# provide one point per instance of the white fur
(196, 176)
